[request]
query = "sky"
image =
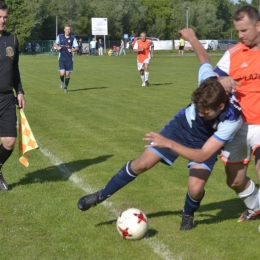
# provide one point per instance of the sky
(249, 1)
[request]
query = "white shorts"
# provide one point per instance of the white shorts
(141, 65)
(245, 142)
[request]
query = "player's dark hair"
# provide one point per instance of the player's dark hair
(3, 6)
(250, 11)
(209, 95)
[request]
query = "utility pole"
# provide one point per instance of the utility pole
(187, 15)
(56, 22)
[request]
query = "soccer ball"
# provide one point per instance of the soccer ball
(132, 224)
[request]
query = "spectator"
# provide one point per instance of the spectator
(122, 47)
(80, 47)
(181, 47)
(100, 47)
(93, 44)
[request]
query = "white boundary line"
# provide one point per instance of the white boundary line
(157, 246)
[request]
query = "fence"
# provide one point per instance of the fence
(46, 47)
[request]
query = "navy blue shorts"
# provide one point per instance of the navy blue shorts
(177, 131)
(66, 65)
(8, 119)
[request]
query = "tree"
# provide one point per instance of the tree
(256, 4)
(204, 21)
(20, 21)
(158, 18)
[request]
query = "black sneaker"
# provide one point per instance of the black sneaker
(89, 201)
(3, 183)
(187, 222)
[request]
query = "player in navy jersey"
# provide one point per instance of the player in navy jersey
(200, 130)
(66, 44)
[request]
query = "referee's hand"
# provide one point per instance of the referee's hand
(21, 101)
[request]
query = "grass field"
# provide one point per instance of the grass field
(85, 136)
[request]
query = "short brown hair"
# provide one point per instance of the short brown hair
(250, 11)
(3, 6)
(209, 95)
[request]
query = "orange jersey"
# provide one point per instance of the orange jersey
(243, 65)
(145, 54)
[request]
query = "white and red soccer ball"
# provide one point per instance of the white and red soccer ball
(132, 224)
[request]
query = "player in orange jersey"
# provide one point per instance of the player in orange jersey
(242, 63)
(144, 48)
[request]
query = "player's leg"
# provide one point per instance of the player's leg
(62, 73)
(245, 189)
(199, 174)
(132, 169)
(67, 81)
(69, 69)
(236, 156)
(254, 131)
(146, 73)
(124, 176)
(140, 67)
(252, 199)
(257, 161)
(8, 132)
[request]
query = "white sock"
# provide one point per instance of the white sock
(142, 78)
(146, 76)
(250, 197)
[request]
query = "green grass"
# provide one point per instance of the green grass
(85, 136)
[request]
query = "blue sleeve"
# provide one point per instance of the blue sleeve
(227, 129)
(75, 43)
(220, 72)
(58, 40)
(205, 71)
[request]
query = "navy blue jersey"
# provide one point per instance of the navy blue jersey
(188, 128)
(66, 43)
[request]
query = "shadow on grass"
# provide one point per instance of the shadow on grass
(58, 172)
(228, 209)
(160, 84)
(83, 89)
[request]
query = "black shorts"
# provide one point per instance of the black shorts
(8, 119)
(181, 48)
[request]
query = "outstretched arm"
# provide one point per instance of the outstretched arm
(197, 155)
(189, 35)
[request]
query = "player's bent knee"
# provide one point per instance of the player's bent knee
(197, 192)
(139, 166)
(237, 184)
(8, 142)
(141, 72)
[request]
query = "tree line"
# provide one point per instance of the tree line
(36, 19)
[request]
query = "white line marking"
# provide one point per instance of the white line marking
(157, 246)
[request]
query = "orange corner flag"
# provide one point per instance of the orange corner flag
(27, 141)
